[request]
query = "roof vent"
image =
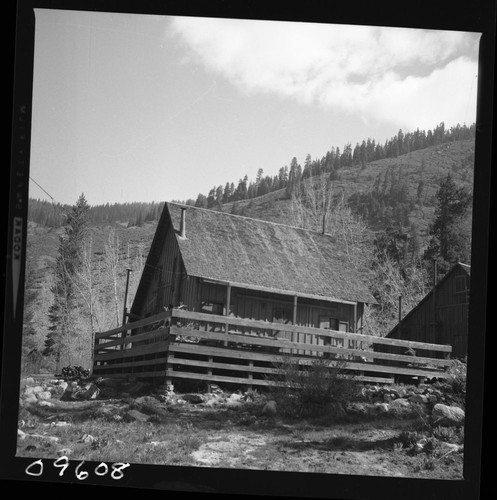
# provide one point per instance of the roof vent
(182, 227)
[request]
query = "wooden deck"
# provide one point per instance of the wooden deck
(181, 344)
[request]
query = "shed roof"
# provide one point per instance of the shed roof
(260, 254)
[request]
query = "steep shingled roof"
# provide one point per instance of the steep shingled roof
(257, 253)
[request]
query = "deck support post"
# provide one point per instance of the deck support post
(227, 310)
(294, 322)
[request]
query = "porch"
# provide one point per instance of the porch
(180, 344)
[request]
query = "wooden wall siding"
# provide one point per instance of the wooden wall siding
(165, 286)
(442, 318)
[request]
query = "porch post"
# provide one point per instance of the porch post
(294, 321)
(227, 309)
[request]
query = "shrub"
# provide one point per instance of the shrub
(312, 389)
(454, 387)
(75, 372)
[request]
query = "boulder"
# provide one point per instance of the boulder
(90, 391)
(418, 399)
(46, 404)
(234, 400)
(193, 398)
(68, 394)
(43, 395)
(381, 408)
(29, 399)
(447, 415)
(150, 406)
(33, 389)
(400, 403)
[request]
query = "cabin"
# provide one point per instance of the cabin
(224, 298)
(442, 315)
(218, 263)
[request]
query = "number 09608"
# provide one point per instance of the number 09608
(115, 470)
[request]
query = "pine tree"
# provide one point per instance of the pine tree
(68, 262)
(450, 237)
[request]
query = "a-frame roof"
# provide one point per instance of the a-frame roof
(261, 255)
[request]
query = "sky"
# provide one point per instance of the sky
(142, 108)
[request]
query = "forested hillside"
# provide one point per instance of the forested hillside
(396, 208)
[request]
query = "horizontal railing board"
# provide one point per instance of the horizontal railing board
(258, 324)
(220, 366)
(134, 324)
(219, 378)
(249, 381)
(151, 335)
(272, 358)
(143, 362)
(286, 344)
(254, 369)
(136, 351)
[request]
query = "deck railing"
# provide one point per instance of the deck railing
(205, 347)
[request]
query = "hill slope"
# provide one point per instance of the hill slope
(399, 192)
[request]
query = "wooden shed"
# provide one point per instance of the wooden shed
(442, 316)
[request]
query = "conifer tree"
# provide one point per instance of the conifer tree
(68, 262)
(450, 235)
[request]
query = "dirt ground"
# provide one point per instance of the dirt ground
(233, 436)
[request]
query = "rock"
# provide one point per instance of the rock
(86, 438)
(64, 452)
(447, 448)
(400, 403)
(46, 404)
(418, 399)
(90, 391)
(397, 393)
(30, 381)
(417, 448)
(234, 400)
(60, 423)
(381, 408)
(387, 398)
(447, 415)
(193, 398)
(34, 389)
(357, 409)
(29, 399)
(109, 382)
(270, 408)
(432, 399)
(44, 395)
(149, 406)
(132, 415)
(68, 394)
(21, 435)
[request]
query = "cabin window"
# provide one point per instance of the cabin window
(333, 324)
(282, 314)
(212, 308)
(329, 323)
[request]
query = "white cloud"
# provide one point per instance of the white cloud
(407, 76)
